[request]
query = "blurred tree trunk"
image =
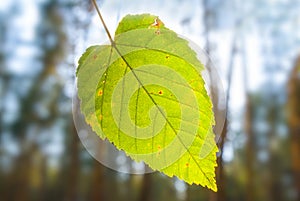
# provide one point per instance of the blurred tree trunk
(98, 183)
(42, 190)
(294, 122)
(220, 169)
(248, 126)
(220, 196)
(145, 193)
(3, 83)
(98, 187)
(37, 175)
(19, 191)
(73, 167)
(275, 192)
(249, 147)
(208, 21)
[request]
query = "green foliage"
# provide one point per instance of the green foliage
(145, 94)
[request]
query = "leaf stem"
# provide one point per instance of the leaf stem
(103, 23)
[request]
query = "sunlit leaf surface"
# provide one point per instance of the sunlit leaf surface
(145, 94)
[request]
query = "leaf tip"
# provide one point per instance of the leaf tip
(138, 21)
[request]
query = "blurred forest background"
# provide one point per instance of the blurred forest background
(255, 46)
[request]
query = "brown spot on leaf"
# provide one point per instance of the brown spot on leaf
(160, 92)
(100, 93)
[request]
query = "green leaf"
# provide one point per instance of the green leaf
(145, 94)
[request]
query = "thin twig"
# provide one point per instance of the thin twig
(102, 20)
